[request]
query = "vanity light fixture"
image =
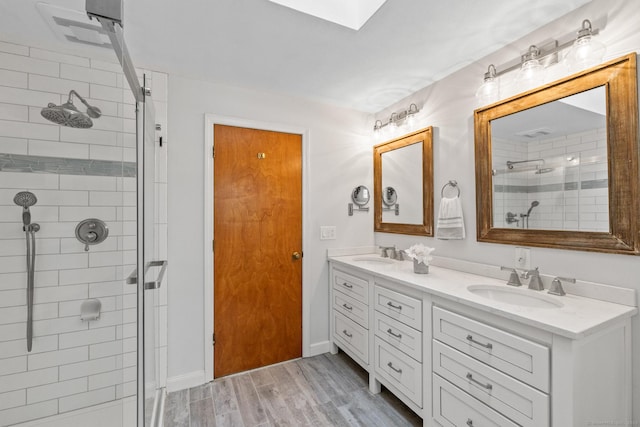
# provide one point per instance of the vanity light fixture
(585, 52)
(396, 118)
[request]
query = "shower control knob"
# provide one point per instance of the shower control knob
(91, 232)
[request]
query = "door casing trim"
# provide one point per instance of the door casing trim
(215, 119)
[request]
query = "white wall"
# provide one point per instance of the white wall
(339, 159)
(448, 105)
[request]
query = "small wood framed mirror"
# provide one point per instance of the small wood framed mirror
(557, 166)
(405, 164)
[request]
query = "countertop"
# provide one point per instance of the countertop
(576, 318)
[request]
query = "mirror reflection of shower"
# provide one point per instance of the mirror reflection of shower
(511, 217)
(68, 114)
(26, 199)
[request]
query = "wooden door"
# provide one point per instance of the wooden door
(258, 241)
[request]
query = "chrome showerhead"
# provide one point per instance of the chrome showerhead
(68, 115)
(25, 199)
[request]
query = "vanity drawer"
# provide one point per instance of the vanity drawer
(399, 335)
(353, 336)
(511, 354)
(399, 370)
(454, 408)
(351, 285)
(523, 404)
(352, 308)
(404, 308)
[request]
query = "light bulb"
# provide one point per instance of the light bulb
(531, 72)
(586, 52)
(489, 91)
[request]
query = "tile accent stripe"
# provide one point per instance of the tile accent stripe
(567, 186)
(65, 166)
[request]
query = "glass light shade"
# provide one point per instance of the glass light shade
(489, 91)
(586, 52)
(531, 75)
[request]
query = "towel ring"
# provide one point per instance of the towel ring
(452, 183)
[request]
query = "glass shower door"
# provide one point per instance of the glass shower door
(154, 269)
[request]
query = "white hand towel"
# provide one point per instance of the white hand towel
(450, 220)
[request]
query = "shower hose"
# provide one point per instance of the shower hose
(30, 235)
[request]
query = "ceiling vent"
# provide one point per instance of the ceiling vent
(73, 26)
(535, 133)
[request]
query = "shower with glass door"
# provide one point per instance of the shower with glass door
(82, 288)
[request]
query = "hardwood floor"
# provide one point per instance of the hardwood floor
(320, 391)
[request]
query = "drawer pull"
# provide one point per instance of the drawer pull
(390, 332)
(488, 345)
(346, 285)
(469, 422)
(394, 368)
(470, 378)
(392, 305)
(347, 306)
(347, 333)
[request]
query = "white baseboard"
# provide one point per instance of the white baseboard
(181, 382)
(319, 348)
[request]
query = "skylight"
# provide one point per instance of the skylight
(349, 13)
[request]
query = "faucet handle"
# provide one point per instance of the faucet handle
(514, 280)
(556, 285)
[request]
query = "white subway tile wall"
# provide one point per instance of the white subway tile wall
(74, 364)
(572, 189)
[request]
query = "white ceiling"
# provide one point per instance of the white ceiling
(403, 47)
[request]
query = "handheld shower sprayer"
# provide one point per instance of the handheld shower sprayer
(533, 205)
(26, 199)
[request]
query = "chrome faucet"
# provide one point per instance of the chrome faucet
(514, 280)
(535, 283)
(392, 252)
(556, 285)
(388, 251)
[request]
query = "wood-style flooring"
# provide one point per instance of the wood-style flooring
(319, 391)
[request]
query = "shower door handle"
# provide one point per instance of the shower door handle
(133, 277)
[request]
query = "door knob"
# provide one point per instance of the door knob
(296, 255)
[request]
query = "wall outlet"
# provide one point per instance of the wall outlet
(327, 232)
(522, 258)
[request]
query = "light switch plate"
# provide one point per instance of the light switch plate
(522, 258)
(327, 232)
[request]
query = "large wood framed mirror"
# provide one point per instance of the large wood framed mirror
(403, 173)
(557, 166)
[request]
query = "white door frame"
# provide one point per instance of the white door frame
(209, 121)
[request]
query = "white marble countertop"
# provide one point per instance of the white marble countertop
(576, 318)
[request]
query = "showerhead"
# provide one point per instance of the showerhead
(68, 115)
(533, 205)
(25, 199)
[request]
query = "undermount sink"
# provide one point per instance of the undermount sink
(373, 260)
(514, 296)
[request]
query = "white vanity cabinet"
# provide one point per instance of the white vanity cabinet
(458, 361)
(398, 341)
(350, 313)
(488, 370)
